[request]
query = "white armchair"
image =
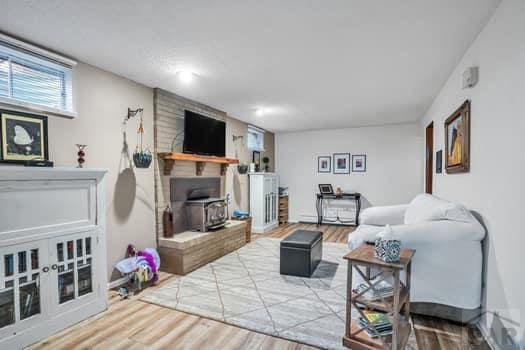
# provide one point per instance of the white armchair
(447, 266)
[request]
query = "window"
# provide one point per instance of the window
(255, 138)
(32, 80)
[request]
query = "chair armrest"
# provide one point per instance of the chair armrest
(383, 215)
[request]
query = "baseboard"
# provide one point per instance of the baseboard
(118, 282)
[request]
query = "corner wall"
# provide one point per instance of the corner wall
(102, 100)
(494, 186)
(394, 172)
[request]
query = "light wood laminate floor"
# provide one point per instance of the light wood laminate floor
(133, 324)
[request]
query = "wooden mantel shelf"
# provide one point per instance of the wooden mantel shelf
(200, 161)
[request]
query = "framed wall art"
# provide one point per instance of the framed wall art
(457, 140)
(23, 137)
(439, 162)
(341, 163)
(359, 163)
(324, 164)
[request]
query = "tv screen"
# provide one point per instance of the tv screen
(203, 135)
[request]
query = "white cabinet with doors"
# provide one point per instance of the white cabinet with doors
(264, 201)
(52, 251)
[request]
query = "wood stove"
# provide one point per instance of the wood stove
(197, 204)
(206, 214)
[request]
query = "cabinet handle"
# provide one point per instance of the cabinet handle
(54, 266)
(45, 269)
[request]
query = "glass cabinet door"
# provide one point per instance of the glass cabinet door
(23, 275)
(72, 264)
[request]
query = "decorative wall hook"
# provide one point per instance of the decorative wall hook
(133, 112)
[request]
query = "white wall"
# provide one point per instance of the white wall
(494, 186)
(394, 164)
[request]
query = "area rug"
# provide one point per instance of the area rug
(245, 289)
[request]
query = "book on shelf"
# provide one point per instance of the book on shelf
(381, 290)
(375, 321)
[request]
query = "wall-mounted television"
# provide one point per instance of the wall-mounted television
(204, 135)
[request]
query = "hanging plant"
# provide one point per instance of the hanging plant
(142, 158)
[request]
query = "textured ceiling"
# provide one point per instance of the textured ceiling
(310, 64)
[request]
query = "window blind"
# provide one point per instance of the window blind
(255, 138)
(29, 78)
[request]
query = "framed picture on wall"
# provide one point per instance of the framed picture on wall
(341, 163)
(23, 137)
(324, 164)
(439, 161)
(457, 140)
(359, 163)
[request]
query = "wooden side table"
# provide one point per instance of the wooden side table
(396, 307)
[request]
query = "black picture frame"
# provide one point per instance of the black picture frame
(359, 168)
(338, 158)
(439, 162)
(326, 189)
(30, 126)
(256, 159)
(324, 170)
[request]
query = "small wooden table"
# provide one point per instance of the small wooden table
(397, 307)
(319, 204)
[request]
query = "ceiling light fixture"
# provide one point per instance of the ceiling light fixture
(259, 112)
(186, 76)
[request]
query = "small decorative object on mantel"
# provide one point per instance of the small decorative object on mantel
(81, 154)
(358, 163)
(23, 137)
(266, 162)
(341, 163)
(457, 140)
(242, 168)
(257, 160)
(387, 247)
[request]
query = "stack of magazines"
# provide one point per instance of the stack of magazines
(378, 321)
(381, 290)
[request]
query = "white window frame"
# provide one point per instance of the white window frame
(258, 131)
(43, 57)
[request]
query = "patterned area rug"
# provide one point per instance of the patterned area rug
(245, 289)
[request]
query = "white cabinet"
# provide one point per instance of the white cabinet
(264, 201)
(52, 251)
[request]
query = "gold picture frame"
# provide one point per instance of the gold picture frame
(457, 140)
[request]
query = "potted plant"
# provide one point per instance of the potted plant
(242, 168)
(266, 162)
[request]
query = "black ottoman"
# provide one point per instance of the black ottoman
(301, 252)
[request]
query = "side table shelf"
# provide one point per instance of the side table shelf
(395, 307)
